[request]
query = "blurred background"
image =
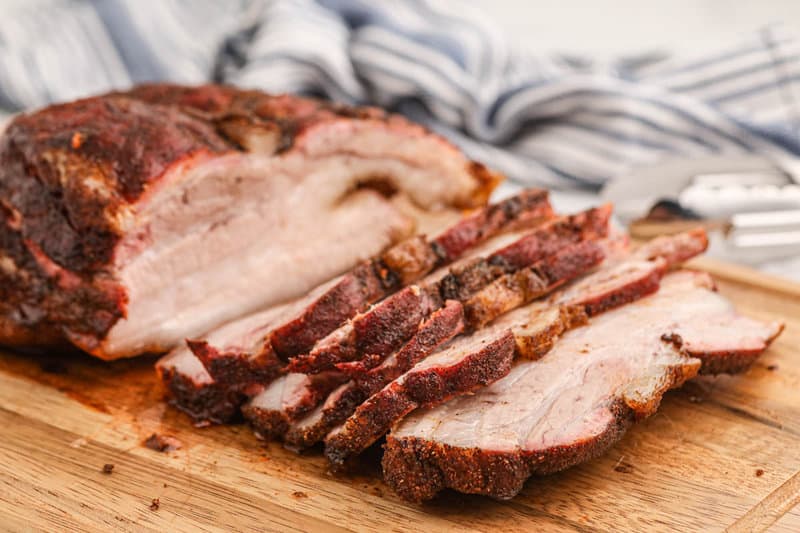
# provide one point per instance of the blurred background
(683, 112)
(608, 29)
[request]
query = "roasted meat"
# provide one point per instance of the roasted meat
(133, 220)
(577, 400)
(244, 356)
(536, 328)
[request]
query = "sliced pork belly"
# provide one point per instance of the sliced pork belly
(568, 263)
(374, 335)
(465, 364)
(133, 220)
(623, 278)
(270, 419)
(388, 324)
(288, 398)
(406, 263)
(191, 387)
(577, 400)
(245, 365)
(456, 369)
(441, 326)
(512, 290)
(327, 307)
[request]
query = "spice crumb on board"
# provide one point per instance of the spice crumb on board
(155, 504)
(162, 443)
(299, 494)
(759, 472)
(772, 368)
(624, 468)
(108, 468)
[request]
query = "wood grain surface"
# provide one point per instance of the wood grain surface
(723, 452)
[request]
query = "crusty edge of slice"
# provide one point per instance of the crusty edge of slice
(440, 327)
(418, 469)
(424, 387)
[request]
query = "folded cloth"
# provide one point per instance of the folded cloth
(542, 120)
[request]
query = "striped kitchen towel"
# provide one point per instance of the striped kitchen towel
(542, 120)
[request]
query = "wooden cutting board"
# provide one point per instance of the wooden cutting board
(722, 452)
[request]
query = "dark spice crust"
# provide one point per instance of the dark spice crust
(42, 304)
(68, 173)
(513, 290)
(208, 403)
(377, 332)
(266, 424)
(518, 211)
(51, 159)
(271, 423)
(419, 388)
(439, 328)
(386, 326)
(236, 370)
(352, 294)
(304, 436)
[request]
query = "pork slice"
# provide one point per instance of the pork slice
(436, 330)
(537, 327)
(454, 369)
(576, 401)
(376, 332)
(390, 323)
(465, 364)
(518, 288)
(624, 277)
(675, 249)
(192, 388)
(511, 291)
(440, 327)
(133, 220)
(199, 374)
(288, 398)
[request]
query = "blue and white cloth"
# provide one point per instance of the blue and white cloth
(542, 120)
